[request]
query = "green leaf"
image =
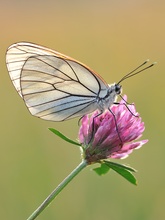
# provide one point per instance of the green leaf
(59, 134)
(103, 169)
(120, 165)
(123, 171)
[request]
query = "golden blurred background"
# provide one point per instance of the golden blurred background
(111, 37)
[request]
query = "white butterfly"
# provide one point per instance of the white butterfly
(56, 87)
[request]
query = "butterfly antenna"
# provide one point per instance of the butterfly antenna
(134, 72)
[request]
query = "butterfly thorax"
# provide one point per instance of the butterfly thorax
(110, 97)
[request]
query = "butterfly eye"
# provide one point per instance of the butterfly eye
(117, 89)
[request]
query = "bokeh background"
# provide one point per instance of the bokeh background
(112, 37)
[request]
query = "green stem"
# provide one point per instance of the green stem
(58, 189)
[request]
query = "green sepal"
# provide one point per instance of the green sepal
(62, 136)
(103, 169)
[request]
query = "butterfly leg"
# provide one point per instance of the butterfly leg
(117, 130)
(80, 120)
(126, 105)
(93, 127)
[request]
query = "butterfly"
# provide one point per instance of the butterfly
(56, 87)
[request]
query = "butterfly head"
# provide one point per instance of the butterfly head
(118, 89)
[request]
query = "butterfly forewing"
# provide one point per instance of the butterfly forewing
(54, 86)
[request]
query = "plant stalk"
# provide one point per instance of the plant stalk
(57, 190)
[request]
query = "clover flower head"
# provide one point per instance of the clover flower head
(100, 139)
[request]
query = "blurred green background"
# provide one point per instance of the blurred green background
(111, 37)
